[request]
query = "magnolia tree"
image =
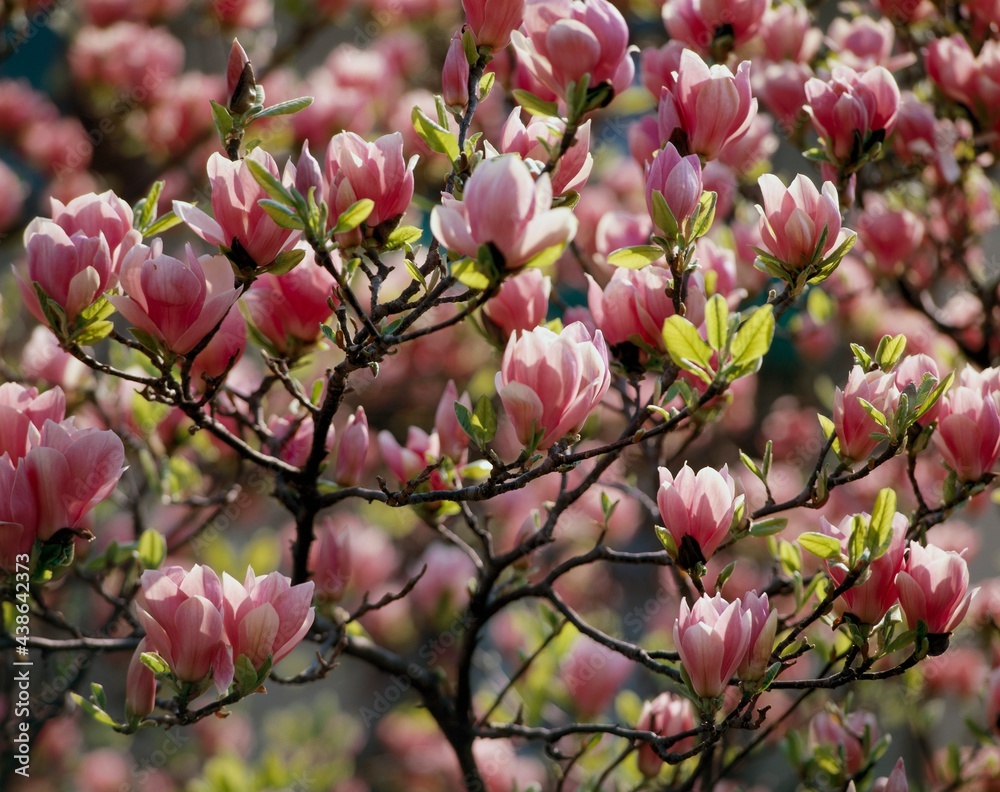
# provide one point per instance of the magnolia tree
(690, 523)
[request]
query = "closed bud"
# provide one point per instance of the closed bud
(455, 76)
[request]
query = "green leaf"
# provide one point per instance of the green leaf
(933, 397)
(152, 548)
(820, 545)
(471, 273)
(283, 216)
(93, 710)
(717, 322)
(469, 46)
(223, 120)
(636, 257)
(544, 258)
(437, 137)
(857, 541)
(481, 423)
(415, 273)
(486, 84)
(101, 309)
(354, 215)
(768, 526)
(753, 339)
(685, 344)
(271, 184)
(144, 212)
(751, 465)
(666, 540)
(837, 255)
(663, 218)
(93, 333)
(148, 341)
(790, 556)
(163, 223)
(154, 663)
(286, 261)
(890, 350)
(534, 105)
(285, 108)
(403, 236)
(873, 411)
(245, 676)
(880, 528)
(98, 696)
(705, 215)
(861, 356)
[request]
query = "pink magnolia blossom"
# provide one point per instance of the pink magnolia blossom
(455, 76)
(698, 23)
(356, 169)
(855, 734)
(521, 303)
(133, 57)
(105, 215)
(549, 383)
(933, 588)
(181, 613)
(492, 21)
(951, 64)
(74, 271)
(18, 513)
(409, 461)
(712, 639)
(869, 600)
(658, 67)
(236, 65)
(452, 437)
(593, 675)
(679, 179)
(504, 207)
(241, 227)
(23, 413)
(635, 303)
(852, 111)
(852, 422)
(289, 309)
(293, 437)
(352, 450)
(922, 138)
(794, 219)
(564, 40)
(44, 360)
(177, 302)
(787, 34)
(573, 168)
(708, 108)
(667, 715)
(891, 236)
(223, 351)
(968, 432)
(69, 471)
(330, 561)
(863, 42)
(140, 685)
(252, 14)
(697, 510)
(895, 782)
(265, 616)
(782, 89)
(762, 632)
(911, 370)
